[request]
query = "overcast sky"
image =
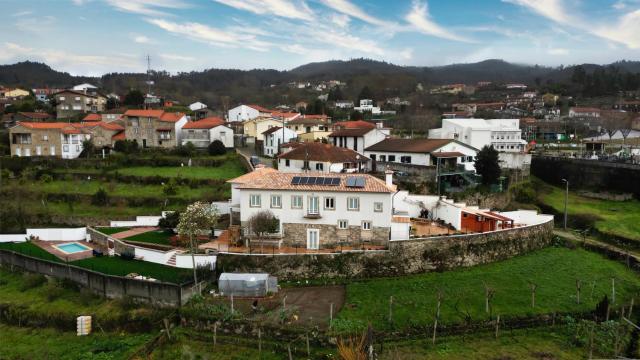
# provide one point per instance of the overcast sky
(92, 37)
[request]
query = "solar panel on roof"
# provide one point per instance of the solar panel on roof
(335, 181)
(326, 181)
(351, 181)
(295, 180)
(311, 180)
(359, 182)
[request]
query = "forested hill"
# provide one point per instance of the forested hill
(249, 85)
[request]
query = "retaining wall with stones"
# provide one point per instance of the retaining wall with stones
(403, 257)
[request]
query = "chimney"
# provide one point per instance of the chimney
(388, 177)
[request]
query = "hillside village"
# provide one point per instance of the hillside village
(138, 197)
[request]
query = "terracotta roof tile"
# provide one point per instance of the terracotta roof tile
(171, 117)
(272, 130)
(409, 145)
(356, 124)
(275, 180)
(206, 123)
(35, 115)
(119, 136)
(260, 108)
(92, 117)
(315, 151)
(145, 113)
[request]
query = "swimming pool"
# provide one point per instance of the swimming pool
(72, 248)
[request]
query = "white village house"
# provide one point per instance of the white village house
(422, 152)
(247, 112)
(317, 211)
(504, 135)
(321, 158)
(203, 132)
(357, 135)
(274, 137)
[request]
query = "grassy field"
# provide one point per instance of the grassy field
(111, 265)
(43, 343)
(620, 218)
(113, 230)
(153, 237)
(114, 265)
(227, 171)
(554, 270)
(532, 344)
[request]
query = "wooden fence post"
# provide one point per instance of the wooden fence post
(330, 315)
(497, 325)
(390, 309)
(215, 333)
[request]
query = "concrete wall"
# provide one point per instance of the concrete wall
(140, 221)
(184, 261)
(156, 292)
(403, 257)
(13, 238)
(59, 234)
(588, 174)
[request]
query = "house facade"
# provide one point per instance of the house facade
(274, 137)
(154, 128)
(503, 134)
(256, 127)
(358, 139)
(247, 112)
(422, 153)
(57, 139)
(345, 209)
(203, 132)
(321, 158)
(70, 103)
(103, 134)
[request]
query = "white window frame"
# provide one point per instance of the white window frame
(378, 206)
(329, 203)
(311, 208)
(343, 224)
(294, 201)
(356, 201)
(276, 201)
(255, 200)
(366, 225)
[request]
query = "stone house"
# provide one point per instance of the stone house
(154, 128)
(58, 139)
(71, 103)
(317, 210)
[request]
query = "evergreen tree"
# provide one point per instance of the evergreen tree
(487, 165)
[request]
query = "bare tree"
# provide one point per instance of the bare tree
(197, 217)
(261, 223)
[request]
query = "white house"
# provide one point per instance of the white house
(584, 112)
(503, 134)
(318, 210)
(323, 158)
(203, 132)
(247, 112)
(358, 139)
(274, 137)
(344, 104)
(86, 87)
(197, 106)
(366, 105)
(422, 152)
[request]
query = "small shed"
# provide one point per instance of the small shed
(247, 284)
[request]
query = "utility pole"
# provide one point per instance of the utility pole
(566, 200)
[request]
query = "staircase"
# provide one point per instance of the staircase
(172, 260)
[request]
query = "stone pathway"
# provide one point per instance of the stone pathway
(134, 231)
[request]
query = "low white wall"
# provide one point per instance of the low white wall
(527, 217)
(59, 234)
(13, 238)
(400, 231)
(223, 206)
(154, 256)
(140, 221)
(514, 160)
(184, 261)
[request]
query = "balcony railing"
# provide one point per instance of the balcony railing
(311, 214)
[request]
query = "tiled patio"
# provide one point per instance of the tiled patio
(49, 246)
(134, 231)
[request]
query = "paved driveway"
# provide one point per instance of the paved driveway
(249, 151)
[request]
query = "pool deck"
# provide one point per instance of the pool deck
(49, 246)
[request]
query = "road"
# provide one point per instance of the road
(248, 152)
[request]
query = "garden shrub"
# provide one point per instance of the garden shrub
(100, 198)
(46, 178)
(216, 148)
(170, 188)
(30, 281)
(53, 290)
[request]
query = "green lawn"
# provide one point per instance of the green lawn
(114, 265)
(154, 237)
(620, 218)
(30, 249)
(228, 170)
(112, 230)
(44, 343)
(111, 265)
(554, 270)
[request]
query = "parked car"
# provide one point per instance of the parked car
(254, 160)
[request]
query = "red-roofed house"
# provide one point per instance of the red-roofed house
(203, 132)
(154, 128)
(319, 157)
(59, 139)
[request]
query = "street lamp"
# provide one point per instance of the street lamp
(566, 199)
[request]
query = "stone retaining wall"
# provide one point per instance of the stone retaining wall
(331, 236)
(403, 257)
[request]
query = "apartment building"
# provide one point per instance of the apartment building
(503, 134)
(58, 139)
(71, 103)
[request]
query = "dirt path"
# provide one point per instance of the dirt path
(592, 241)
(134, 231)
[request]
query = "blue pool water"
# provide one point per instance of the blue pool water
(73, 248)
